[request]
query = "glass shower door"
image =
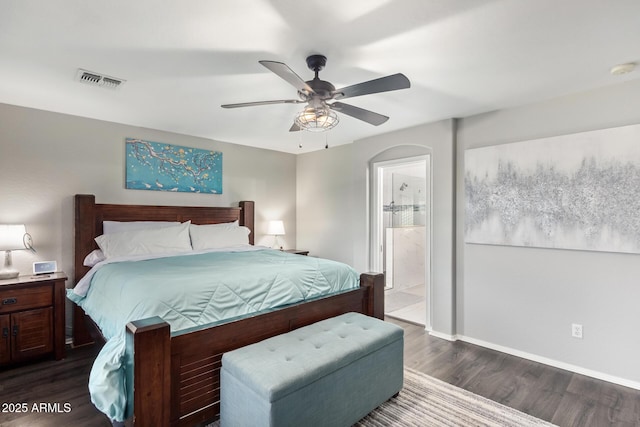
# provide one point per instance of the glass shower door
(404, 231)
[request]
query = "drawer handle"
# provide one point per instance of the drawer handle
(15, 330)
(5, 332)
(8, 301)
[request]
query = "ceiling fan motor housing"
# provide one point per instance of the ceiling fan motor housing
(322, 89)
(316, 62)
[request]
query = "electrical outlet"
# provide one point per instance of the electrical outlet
(576, 330)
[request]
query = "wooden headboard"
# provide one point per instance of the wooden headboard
(89, 216)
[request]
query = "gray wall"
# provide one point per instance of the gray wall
(333, 204)
(526, 299)
(519, 300)
(46, 158)
(324, 202)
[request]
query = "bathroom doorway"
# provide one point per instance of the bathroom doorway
(401, 235)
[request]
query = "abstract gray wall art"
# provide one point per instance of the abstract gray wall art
(579, 191)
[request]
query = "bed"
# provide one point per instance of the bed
(175, 375)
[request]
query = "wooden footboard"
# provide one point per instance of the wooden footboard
(177, 377)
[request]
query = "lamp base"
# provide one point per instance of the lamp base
(275, 243)
(8, 274)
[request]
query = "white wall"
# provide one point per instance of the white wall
(46, 158)
(333, 204)
(406, 256)
(525, 299)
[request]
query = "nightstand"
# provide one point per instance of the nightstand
(296, 251)
(32, 317)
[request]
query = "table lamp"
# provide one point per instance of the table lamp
(13, 237)
(276, 228)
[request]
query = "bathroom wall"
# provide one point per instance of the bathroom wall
(408, 262)
(404, 185)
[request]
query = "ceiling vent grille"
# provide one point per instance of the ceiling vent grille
(96, 79)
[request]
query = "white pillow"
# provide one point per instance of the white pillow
(233, 224)
(110, 227)
(214, 236)
(147, 241)
(93, 258)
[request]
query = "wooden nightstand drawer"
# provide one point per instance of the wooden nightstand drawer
(20, 299)
(31, 318)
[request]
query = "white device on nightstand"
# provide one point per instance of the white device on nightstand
(45, 267)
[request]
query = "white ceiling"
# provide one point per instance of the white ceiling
(182, 59)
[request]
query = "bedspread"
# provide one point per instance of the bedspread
(193, 290)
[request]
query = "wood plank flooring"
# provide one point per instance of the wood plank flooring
(558, 396)
(555, 395)
(51, 382)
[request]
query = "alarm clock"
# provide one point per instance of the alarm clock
(45, 267)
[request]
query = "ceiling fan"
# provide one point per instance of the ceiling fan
(320, 96)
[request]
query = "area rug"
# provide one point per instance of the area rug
(428, 402)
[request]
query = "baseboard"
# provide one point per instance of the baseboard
(443, 336)
(540, 359)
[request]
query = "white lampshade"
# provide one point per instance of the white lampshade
(12, 237)
(276, 228)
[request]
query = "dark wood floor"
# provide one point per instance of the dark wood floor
(52, 382)
(555, 395)
(558, 396)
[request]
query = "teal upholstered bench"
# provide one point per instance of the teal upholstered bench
(331, 373)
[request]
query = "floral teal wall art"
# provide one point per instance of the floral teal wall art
(167, 167)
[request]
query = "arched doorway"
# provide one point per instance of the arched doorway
(401, 234)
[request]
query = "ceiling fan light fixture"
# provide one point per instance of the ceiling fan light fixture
(316, 119)
(318, 115)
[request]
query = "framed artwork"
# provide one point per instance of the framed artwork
(579, 191)
(166, 167)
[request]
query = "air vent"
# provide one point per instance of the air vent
(95, 79)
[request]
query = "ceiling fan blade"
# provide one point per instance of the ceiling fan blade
(383, 84)
(359, 113)
(251, 104)
(287, 74)
(294, 128)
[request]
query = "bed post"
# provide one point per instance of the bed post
(246, 218)
(84, 233)
(151, 342)
(374, 282)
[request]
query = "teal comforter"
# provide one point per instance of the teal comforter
(193, 290)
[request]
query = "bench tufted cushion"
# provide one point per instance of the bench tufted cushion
(283, 364)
